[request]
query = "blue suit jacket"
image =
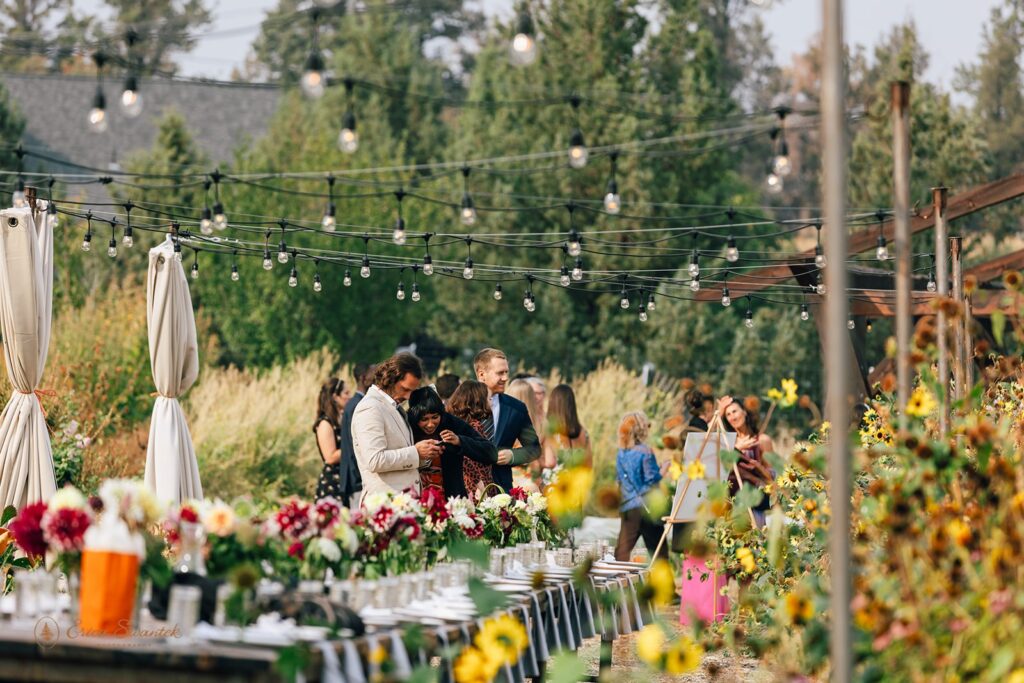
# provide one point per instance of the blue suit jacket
(351, 480)
(514, 424)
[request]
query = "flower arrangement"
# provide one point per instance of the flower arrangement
(54, 532)
(515, 517)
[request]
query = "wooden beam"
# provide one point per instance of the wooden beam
(963, 204)
(994, 269)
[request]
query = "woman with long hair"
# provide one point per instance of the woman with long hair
(522, 389)
(470, 404)
(461, 442)
(752, 445)
(701, 407)
(327, 428)
(564, 430)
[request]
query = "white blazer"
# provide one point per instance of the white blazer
(382, 439)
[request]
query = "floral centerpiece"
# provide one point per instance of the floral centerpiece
(390, 532)
(54, 532)
(516, 517)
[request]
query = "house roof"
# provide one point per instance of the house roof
(220, 117)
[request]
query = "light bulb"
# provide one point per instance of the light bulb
(931, 286)
(131, 98)
(526, 301)
(312, 81)
(177, 251)
(819, 257)
(18, 198)
(52, 216)
(563, 277)
(732, 252)
(577, 149)
(773, 183)
(317, 284)
(98, 120)
(531, 304)
(726, 299)
(206, 221)
(805, 314)
(415, 292)
(293, 278)
(524, 50)
(282, 253)
(748, 319)
(428, 265)
(234, 272)
(467, 272)
(882, 252)
(87, 242)
(268, 264)
(398, 236)
(364, 271)
(695, 285)
(467, 213)
(612, 203)
(128, 241)
(497, 292)
(820, 288)
(643, 314)
(329, 222)
(112, 248)
(850, 324)
(694, 268)
(624, 301)
(347, 281)
(650, 302)
(348, 138)
(574, 247)
(781, 165)
(577, 270)
(400, 294)
(220, 219)
(195, 271)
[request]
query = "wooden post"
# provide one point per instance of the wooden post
(960, 353)
(900, 94)
(942, 280)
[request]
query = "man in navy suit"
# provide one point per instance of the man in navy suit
(510, 421)
(351, 480)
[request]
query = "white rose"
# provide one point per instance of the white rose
(328, 549)
(375, 501)
(67, 497)
(502, 500)
(537, 501)
(346, 535)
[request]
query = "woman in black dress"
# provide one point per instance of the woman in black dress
(327, 429)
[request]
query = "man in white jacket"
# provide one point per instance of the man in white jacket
(387, 457)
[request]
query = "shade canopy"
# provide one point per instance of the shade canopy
(26, 306)
(171, 468)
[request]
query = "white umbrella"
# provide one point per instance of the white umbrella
(171, 468)
(26, 304)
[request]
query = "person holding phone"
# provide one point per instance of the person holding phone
(457, 440)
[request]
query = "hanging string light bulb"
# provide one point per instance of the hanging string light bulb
(467, 212)
(220, 219)
(268, 264)
(293, 277)
(624, 297)
(87, 239)
(467, 271)
(398, 235)
(577, 147)
(428, 263)
(695, 284)
(317, 283)
(643, 312)
(348, 139)
(805, 314)
(347, 280)
(131, 98)
(850, 324)
(931, 286)
(52, 217)
(313, 79)
(612, 201)
(694, 268)
(364, 270)
(819, 287)
(523, 50)
(726, 299)
(18, 198)
(773, 183)
(329, 222)
(781, 165)
(177, 242)
(882, 252)
(400, 292)
(112, 244)
(128, 238)
(195, 264)
(748, 317)
(282, 248)
(415, 285)
(819, 253)
(497, 292)
(564, 278)
(206, 215)
(234, 265)
(577, 269)
(650, 302)
(98, 113)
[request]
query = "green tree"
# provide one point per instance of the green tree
(161, 28)
(26, 26)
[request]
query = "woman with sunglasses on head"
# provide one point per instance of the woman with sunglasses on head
(327, 429)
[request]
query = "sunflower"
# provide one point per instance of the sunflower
(746, 558)
(662, 582)
(921, 403)
(683, 655)
(695, 470)
(568, 492)
(799, 608)
(474, 666)
(1016, 676)
(650, 645)
(502, 639)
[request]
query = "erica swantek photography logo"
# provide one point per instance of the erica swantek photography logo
(48, 633)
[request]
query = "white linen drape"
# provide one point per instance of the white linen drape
(171, 468)
(26, 307)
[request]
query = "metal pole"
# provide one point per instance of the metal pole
(837, 357)
(959, 342)
(900, 94)
(942, 279)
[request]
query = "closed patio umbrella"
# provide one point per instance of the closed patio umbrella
(26, 303)
(171, 468)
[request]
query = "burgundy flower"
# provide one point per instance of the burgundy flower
(294, 520)
(96, 504)
(475, 532)
(65, 528)
(297, 550)
(27, 529)
(518, 493)
(327, 512)
(187, 514)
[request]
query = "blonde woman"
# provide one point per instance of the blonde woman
(524, 476)
(637, 472)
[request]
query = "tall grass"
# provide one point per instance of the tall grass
(253, 429)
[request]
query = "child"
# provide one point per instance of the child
(637, 472)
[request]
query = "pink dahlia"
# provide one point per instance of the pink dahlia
(65, 528)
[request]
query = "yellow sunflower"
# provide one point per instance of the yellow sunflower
(474, 666)
(502, 638)
(569, 491)
(662, 582)
(650, 645)
(683, 655)
(921, 403)
(746, 558)
(695, 470)
(799, 608)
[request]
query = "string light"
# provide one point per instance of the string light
(234, 266)
(131, 98)
(563, 277)
(329, 222)
(112, 244)
(612, 201)
(850, 324)
(882, 252)
(52, 217)
(18, 198)
(805, 314)
(128, 240)
(282, 248)
(220, 219)
(650, 302)
(467, 271)
(577, 147)
(577, 269)
(415, 287)
(575, 243)
(819, 286)
(624, 298)
(87, 239)
(523, 50)
(497, 292)
(732, 252)
(268, 264)
(364, 271)
(467, 213)
(428, 263)
(98, 112)
(931, 286)
(206, 215)
(195, 265)
(398, 236)
(317, 283)
(773, 183)
(643, 312)
(781, 165)
(748, 317)
(694, 268)
(177, 242)
(400, 293)
(868, 326)
(726, 299)
(313, 80)
(695, 284)
(347, 280)
(293, 277)
(348, 138)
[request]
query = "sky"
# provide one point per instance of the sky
(949, 29)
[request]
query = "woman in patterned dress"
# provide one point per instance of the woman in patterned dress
(327, 429)
(469, 403)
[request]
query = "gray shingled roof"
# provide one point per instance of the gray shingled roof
(219, 117)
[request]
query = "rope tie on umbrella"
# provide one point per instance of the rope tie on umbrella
(39, 393)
